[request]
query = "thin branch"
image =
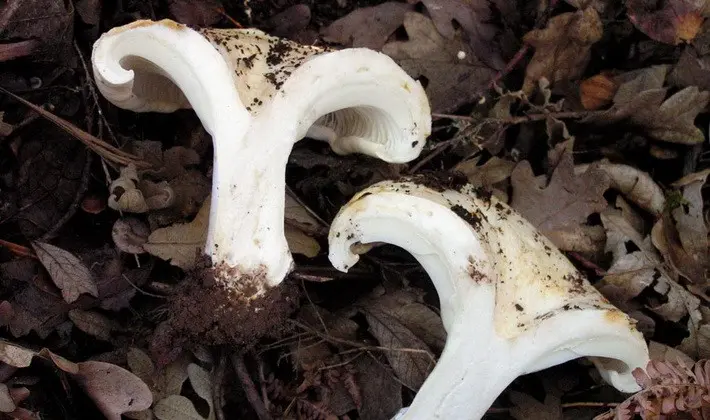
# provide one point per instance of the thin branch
(249, 388)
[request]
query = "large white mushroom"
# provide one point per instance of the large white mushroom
(257, 95)
(511, 303)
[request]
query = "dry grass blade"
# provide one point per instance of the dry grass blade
(99, 146)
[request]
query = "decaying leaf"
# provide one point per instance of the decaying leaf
(113, 389)
(181, 243)
(368, 27)
(409, 357)
(381, 392)
(563, 48)
(129, 234)
(66, 271)
(635, 271)
(474, 18)
(176, 407)
(406, 307)
(454, 72)
(92, 323)
(196, 12)
(49, 21)
(494, 171)
(690, 218)
(667, 21)
(641, 100)
(562, 205)
(201, 381)
(15, 355)
(636, 185)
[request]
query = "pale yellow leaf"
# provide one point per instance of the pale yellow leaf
(15, 355)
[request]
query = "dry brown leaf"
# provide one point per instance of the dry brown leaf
(202, 384)
(690, 218)
(113, 389)
(667, 21)
(406, 307)
(563, 48)
(181, 243)
(697, 344)
(93, 323)
(409, 356)
(636, 185)
(693, 66)
(368, 27)
(527, 407)
(176, 407)
(66, 271)
(381, 392)
(196, 12)
(7, 405)
(49, 21)
(562, 205)
(473, 17)
(453, 81)
(494, 171)
(641, 100)
(15, 355)
(660, 351)
(129, 234)
(633, 272)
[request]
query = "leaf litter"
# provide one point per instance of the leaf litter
(595, 130)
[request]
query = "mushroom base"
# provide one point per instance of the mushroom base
(207, 310)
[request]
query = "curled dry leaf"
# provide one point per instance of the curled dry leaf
(381, 392)
(597, 92)
(563, 48)
(129, 234)
(690, 217)
(113, 389)
(66, 271)
(636, 185)
(634, 272)
(201, 381)
(124, 194)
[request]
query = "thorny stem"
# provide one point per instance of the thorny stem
(249, 388)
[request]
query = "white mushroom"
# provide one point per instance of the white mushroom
(257, 95)
(510, 302)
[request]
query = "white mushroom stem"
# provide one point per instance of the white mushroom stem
(257, 95)
(510, 302)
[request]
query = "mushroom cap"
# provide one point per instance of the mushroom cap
(476, 248)
(358, 100)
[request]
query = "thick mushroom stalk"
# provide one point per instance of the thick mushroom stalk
(510, 302)
(257, 95)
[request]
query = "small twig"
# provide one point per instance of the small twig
(218, 386)
(262, 385)
(92, 91)
(141, 290)
(249, 388)
(589, 404)
(523, 118)
(587, 264)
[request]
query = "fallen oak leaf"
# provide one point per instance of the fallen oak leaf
(368, 27)
(409, 356)
(667, 21)
(455, 75)
(176, 407)
(565, 203)
(563, 48)
(113, 389)
(66, 271)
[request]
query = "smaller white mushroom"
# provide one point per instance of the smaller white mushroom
(510, 302)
